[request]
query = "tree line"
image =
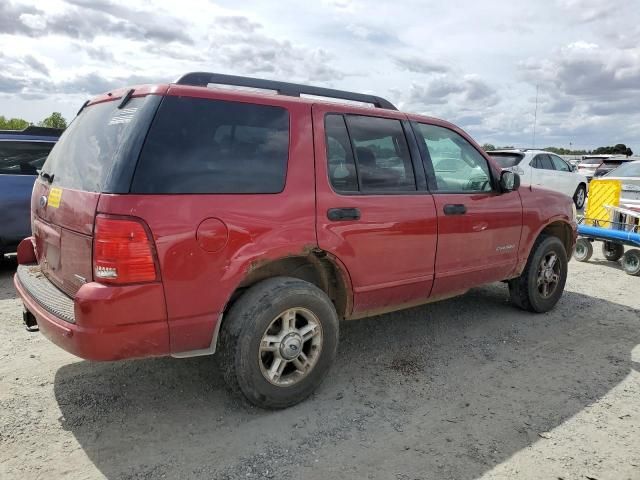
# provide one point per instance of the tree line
(618, 149)
(55, 120)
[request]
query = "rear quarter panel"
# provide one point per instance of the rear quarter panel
(199, 283)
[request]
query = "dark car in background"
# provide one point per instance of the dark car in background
(22, 153)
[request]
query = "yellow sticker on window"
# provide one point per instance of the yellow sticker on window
(55, 196)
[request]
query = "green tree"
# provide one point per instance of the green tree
(487, 147)
(13, 123)
(55, 120)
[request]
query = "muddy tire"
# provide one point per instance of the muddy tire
(278, 342)
(583, 250)
(612, 251)
(542, 282)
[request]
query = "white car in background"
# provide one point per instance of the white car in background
(544, 169)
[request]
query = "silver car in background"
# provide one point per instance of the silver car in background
(629, 176)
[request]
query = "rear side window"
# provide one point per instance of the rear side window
(23, 158)
(382, 154)
(87, 151)
(211, 146)
(368, 154)
(342, 166)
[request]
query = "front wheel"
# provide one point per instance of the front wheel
(278, 342)
(580, 196)
(542, 282)
(631, 262)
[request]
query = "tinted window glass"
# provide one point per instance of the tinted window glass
(86, 152)
(542, 162)
(547, 164)
(626, 170)
(559, 164)
(23, 158)
(506, 160)
(382, 154)
(212, 146)
(342, 169)
(458, 166)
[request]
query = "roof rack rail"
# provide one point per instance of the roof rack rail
(202, 79)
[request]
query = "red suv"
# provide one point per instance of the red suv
(183, 220)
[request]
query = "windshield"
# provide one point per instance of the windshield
(506, 160)
(626, 170)
(86, 152)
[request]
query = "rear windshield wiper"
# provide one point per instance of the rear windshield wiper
(47, 177)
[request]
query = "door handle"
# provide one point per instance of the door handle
(455, 209)
(341, 214)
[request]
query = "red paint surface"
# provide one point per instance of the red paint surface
(403, 250)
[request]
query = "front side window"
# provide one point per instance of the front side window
(23, 158)
(559, 164)
(457, 165)
(198, 145)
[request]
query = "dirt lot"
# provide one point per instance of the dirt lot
(462, 389)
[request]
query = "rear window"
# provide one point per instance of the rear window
(506, 160)
(591, 161)
(212, 146)
(86, 153)
(626, 170)
(23, 158)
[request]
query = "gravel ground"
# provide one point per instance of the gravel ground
(462, 389)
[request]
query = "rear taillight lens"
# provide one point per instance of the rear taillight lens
(122, 251)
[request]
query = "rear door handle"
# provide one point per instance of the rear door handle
(455, 209)
(341, 214)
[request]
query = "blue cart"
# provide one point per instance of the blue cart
(623, 229)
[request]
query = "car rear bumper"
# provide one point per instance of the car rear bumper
(101, 322)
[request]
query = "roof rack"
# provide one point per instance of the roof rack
(203, 79)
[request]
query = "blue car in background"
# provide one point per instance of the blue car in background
(22, 153)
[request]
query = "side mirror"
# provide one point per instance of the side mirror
(574, 167)
(509, 181)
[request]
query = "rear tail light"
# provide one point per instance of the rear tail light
(123, 251)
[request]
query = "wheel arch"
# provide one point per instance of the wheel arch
(562, 230)
(317, 267)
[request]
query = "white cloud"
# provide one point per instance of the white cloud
(475, 63)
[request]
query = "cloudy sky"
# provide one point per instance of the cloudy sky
(476, 63)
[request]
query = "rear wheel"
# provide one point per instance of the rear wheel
(580, 196)
(542, 282)
(583, 251)
(278, 342)
(612, 251)
(631, 262)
